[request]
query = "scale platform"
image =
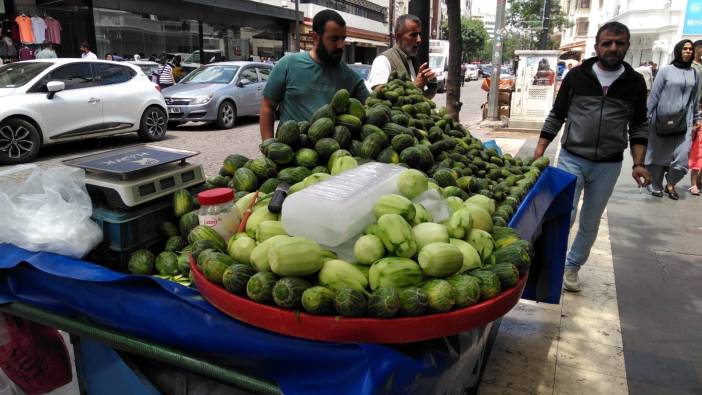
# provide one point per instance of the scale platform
(128, 177)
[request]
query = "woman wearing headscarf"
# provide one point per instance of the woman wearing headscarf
(672, 109)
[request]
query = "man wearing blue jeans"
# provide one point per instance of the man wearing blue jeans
(601, 102)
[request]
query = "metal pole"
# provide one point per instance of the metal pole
(493, 103)
(546, 24)
(297, 25)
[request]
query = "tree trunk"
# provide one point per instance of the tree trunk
(453, 80)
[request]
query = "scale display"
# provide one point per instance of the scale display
(130, 160)
(132, 176)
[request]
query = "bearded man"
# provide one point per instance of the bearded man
(408, 36)
(303, 82)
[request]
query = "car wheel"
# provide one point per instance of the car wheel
(226, 115)
(19, 141)
(153, 124)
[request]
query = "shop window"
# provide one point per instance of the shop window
(250, 74)
(110, 74)
(581, 26)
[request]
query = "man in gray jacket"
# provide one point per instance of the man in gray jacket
(601, 102)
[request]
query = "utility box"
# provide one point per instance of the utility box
(534, 89)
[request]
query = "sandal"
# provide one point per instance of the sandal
(670, 191)
(694, 190)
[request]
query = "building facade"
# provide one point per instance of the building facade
(217, 29)
(655, 27)
(367, 26)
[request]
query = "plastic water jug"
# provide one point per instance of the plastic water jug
(333, 211)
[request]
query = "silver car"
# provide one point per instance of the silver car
(218, 92)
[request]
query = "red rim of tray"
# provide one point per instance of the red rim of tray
(364, 330)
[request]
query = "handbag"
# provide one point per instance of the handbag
(675, 124)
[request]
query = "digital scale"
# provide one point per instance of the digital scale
(129, 177)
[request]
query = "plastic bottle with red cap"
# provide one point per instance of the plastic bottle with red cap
(218, 211)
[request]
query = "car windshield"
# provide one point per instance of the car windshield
(436, 62)
(211, 75)
(362, 71)
(14, 75)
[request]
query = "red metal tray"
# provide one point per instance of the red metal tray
(363, 330)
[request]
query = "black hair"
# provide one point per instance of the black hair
(613, 27)
(84, 44)
(320, 21)
(697, 43)
(401, 21)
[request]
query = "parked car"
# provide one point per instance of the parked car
(218, 92)
(149, 68)
(485, 70)
(51, 101)
(471, 72)
(363, 70)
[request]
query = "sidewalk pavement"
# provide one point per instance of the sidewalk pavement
(637, 325)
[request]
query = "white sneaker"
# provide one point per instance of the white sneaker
(570, 279)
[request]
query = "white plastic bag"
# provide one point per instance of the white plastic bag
(47, 210)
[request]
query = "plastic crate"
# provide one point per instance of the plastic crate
(123, 230)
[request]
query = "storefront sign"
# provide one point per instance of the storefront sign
(693, 18)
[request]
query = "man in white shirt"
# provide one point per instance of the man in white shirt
(645, 71)
(408, 29)
(85, 52)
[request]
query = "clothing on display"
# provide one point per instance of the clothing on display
(53, 30)
(26, 35)
(26, 53)
(39, 29)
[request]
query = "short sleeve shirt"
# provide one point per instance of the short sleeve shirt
(25, 29)
(301, 86)
(39, 29)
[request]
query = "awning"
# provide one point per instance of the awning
(362, 42)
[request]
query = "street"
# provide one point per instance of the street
(214, 145)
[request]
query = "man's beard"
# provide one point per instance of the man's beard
(612, 62)
(411, 51)
(331, 59)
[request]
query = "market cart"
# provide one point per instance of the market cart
(168, 322)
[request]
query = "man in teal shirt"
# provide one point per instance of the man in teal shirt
(301, 83)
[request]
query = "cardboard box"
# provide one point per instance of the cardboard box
(504, 98)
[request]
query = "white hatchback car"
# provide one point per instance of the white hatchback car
(60, 100)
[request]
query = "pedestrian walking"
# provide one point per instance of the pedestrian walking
(645, 70)
(463, 73)
(85, 52)
(165, 73)
(673, 111)
(46, 52)
(301, 83)
(593, 146)
(177, 68)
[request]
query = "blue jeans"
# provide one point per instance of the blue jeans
(596, 180)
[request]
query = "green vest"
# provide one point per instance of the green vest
(398, 61)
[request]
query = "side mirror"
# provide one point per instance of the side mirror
(53, 87)
(243, 82)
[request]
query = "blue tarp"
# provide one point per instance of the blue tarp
(167, 313)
